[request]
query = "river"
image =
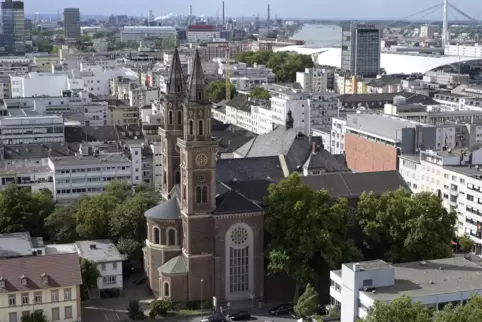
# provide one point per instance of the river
(319, 35)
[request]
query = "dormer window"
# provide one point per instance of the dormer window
(23, 279)
(2, 282)
(45, 278)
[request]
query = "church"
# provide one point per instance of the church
(206, 239)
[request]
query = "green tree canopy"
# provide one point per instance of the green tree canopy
(399, 310)
(166, 43)
(35, 316)
(62, 223)
(217, 91)
(93, 216)
(400, 227)
(307, 303)
(470, 312)
(261, 93)
(284, 64)
(304, 225)
(89, 272)
(466, 243)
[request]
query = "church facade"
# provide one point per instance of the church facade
(205, 239)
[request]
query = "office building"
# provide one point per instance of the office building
(139, 33)
(28, 30)
(435, 283)
(361, 49)
(13, 26)
(72, 23)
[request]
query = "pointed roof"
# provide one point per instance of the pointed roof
(176, 83)
(168, 210)
(196, 85)
(173, 266)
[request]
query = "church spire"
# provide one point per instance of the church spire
(176, 83)
(196, 86)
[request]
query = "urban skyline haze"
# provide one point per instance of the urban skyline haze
(310, 9)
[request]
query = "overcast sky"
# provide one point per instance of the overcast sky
(323, 9)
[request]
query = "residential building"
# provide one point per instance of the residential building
(338, 131)
(141, 96)
(20, 244)
(377, 101)
(13, 21)
(48, 283)
(140, 33)
(463, 50)
(316, 79)
(72, 23)
(202, 32)
(244, 77)
(31, 129)
(216, 49)
(384, 84)
(108, 259)
(458, 102)
(43, 62)
(28, 31)
(121, 113)
(435, 283)
(361, 49)
(444, 78)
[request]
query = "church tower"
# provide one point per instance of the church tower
(172, 125)
(198, 182)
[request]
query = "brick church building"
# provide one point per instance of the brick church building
(205, 239)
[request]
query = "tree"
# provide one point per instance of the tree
(93, 216)
(261, 93)
(399, 310)
(466, 243)
(399, 227)
(166, 43)
(307, 303)
(61, 225)
(217, 91)
(134, 311)
(35, 316)
(159, 307)
(470, 312)
(119, 189)
(129, 247)
(304, 225)
(90, 274)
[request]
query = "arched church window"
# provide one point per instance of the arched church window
(170, 117)
(208, 126)
(198, 194)
(205, 194)
(199, 96)
(239, 251)
(157, 236)
(171, 237)
(167, 292)
(179, 117)
(191, 127)
(200, 127)
(178, 177)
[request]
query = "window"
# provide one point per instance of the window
(11, 300)
(178, 177)
(109, 280)
(67, 294)
(37, 297)
(238, 261)
(200, 127)
(179, 117)
(205, 194)
(54, 295)
(166, 289)
(102, 266)
(191, 127)
(55, 314)
(67, 312)
(171, 237)
(114, 266)
(157, 236)
(170, 117)
(198, 194)
(367, 283)
(24, 298)
(12, 317)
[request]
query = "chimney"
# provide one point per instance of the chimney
(223, 13)
(313, 148)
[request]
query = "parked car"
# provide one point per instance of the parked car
(282, 309)
(240, 315)
(215, 318)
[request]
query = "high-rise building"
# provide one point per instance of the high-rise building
(72, 23)
(28, 29)
(361, 49)
(13, 26)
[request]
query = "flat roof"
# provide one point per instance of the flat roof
(369, 265)
(15, 245)
(60, 249)
(440, 276)
(411, 157)
(88, 160)
(99, 250)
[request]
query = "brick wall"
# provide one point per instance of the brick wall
(363, 155)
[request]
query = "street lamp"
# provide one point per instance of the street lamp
(202, 314)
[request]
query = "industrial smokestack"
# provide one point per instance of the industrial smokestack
(190, 10)
(269, 14)
(223, 13)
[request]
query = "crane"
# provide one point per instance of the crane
(228, 73)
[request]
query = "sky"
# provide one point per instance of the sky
(320, 9)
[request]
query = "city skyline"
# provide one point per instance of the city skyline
(375, 9)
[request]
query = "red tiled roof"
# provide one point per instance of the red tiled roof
(62, 270)
(200, 28)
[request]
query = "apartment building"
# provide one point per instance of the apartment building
(244, 77)
(455, 176)
(198, 33)
(463, 50)
(108, 259)
(216, 49)
(141, 96)
(337, 139)
(459, 102)
(121, 113)
(444, 78)
(357, 286)
(140, 33)
(48, 283)
(31, 129)
(316, 79)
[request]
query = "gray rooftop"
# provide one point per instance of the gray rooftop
(15, 244)
(440, 276)
(369, 265)
(90, 160)
(380, 125)
(99, 251)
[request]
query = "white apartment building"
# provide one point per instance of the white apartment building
(261, 117)
(463, 50)
(338, 131)
(246, 77)
(139, 33)
(435, 283)
(48, 283)
(314, 79)
(457, 102)
(108, 259)
(33, 177)
(141, 96)
(455, 176)
(444, 78)
(31, 129)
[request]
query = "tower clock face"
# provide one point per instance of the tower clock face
(201, 160)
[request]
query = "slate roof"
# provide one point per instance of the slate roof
(352, 185)
(38, 151)
(247, 169)
(231, 201)
(174, 266)
(62, 270)
(168, 210)
(255, 190)
(412, 98)
(102, 133)
(383, 81)
(15, 244)
(325, 161)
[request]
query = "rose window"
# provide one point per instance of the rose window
(239, 236)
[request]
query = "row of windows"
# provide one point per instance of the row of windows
(37, 298)
(103, 266)
(12, 316)
(80, 190)
(94, 169)
(171, 236)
